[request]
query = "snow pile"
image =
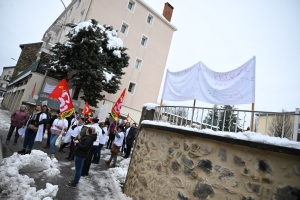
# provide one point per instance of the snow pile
(247, 136)
(17, 186)
(5, 120)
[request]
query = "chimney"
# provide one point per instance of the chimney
(168, 11)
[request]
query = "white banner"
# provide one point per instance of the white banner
(102, 112)
(49, 88)
(203, 84)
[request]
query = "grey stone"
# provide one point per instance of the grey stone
(287, 193)
(229, 191)
(235, 184)
(218, 167)
(253, 187)
(168, 139)
(226, 174)
(165, 162)
(186, 146)
(167, 193)
(267, 180)
(187, 162)
(163, 147)
(205, 165)
(175, 167)
(171, 152)
(248, 198)
(215, 186)
(176, 144)
(203, 190)
(177, 181)
(153, 145)
(182, 196)
(264, 166)
(194, 155)
(195, 147)
(189, 173)
(297, 169)
(143, 180)
(206, 149)
(238, 161)
(178, 154)
(222, 155)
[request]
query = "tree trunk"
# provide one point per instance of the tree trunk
(76, 93)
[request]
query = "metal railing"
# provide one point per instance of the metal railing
(276, 124)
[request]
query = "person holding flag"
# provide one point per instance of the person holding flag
(116, 109)
(86, 109)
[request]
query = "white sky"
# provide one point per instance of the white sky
(221, 34)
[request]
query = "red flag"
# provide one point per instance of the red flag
(86, 109)
(33, 90)
(115, 111)
(127, 118)
(61, 93)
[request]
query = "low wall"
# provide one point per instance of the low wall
(170, 163)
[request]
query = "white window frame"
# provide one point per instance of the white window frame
(78, 4)
(134, 87)
(127, 28)
(146, 40)
(152, 19)
(140, 64)
(133, 7)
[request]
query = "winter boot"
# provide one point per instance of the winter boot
(94, 159)
(72, 158)
(47, 146)
(28, 152)
(107, 162)
(69, 157)
(97, 160)
(22, 151)
(112, 166)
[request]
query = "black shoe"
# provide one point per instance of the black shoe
(22, 151)
(62, 151)
(71, 159)
(15, 142)
(71, 185)
(7, 139)
(68, 158)
(28, 152)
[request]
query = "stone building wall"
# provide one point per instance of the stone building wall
(173, 164)
(27, 56)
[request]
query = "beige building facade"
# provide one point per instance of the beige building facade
(5, 79)
(145, 33)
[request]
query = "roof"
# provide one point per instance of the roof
(23, 45)
(26, 72)
(9, 67)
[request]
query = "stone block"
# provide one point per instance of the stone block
(187, 162)
(195, 147)
(175, 167)
(222, 155)
(226, 174)
(253, 187)
(177, 181)
(189, 173)
(176, 144)
(264, 166)
(287, 192)
(182, 196)
(206, 149)
(205, 165)
(238, 161)
(202, 191)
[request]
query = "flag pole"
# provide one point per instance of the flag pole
(193, 112)
(252, 118)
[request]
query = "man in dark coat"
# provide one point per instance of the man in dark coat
(130, 138)
(81, 152)
(18, 120)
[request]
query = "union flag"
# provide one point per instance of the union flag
(62, 95)
(116, 109)
(86, 109)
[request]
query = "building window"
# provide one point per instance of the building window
(131, 5)
(144, 41)
(124, 28)
(150, 19)
(131, 87)
(3, 85)
(81, 16)
(9, 72)
(138, 63)
(78, 3)
(70, 11)
(7, 77)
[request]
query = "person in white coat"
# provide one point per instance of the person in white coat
(97, 154)
(67, 138)
(117, 144)
(56, 129)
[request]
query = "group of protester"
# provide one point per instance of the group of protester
(85, 137)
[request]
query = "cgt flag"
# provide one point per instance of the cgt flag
(61, 93)
(86, 109)
(33, 90)
(116, 109)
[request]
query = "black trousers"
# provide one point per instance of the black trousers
(88, 161)
(111, 138)
(10, 132)
(128, 150)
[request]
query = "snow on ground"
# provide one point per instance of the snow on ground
(17, 186)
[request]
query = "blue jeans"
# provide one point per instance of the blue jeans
(29, 139)
(52, 143)
(98, 151)
(78, 167)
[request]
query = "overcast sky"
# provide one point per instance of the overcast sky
(221, 34)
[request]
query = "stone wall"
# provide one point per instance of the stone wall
(169, 163)
(27, 56)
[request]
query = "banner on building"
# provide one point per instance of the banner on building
(62, 95)
(102, 112)
(116, 109)
(203, 84)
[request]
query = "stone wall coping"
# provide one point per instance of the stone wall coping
(252, 144)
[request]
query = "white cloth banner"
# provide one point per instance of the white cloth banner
(203, 84)
(49, 88)
(102, 112)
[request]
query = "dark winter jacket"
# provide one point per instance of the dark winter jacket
(83, 147)
(19, 118)
(130, 137)
(112, 128)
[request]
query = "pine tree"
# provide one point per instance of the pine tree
(213, 115)
(92, 59)
(230, 119)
